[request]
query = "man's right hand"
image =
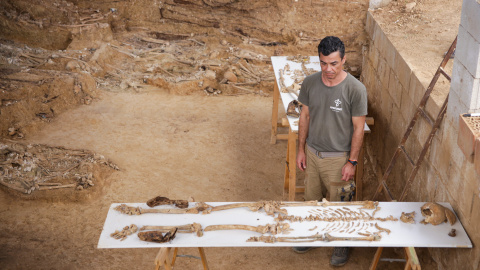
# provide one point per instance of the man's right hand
(301, 160)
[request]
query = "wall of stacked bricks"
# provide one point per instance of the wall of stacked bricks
(447, 175)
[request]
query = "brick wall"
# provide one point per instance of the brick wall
(394, 92)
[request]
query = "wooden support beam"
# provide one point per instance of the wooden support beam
(276, 99)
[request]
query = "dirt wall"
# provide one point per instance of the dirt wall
(395, 90)
(52, 25)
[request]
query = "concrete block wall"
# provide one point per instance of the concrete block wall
(446, 175)
(466, 78)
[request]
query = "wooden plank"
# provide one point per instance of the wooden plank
(370, 121)
(286, 175)
(204, 258)
(276, 99)
(292, 160)
(376, 258)
(406, 155)
(359, 174)
(300, 189)
(174, 258)
(414, 263)
(163, 259)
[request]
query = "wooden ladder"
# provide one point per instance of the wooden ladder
(412, 260)
(435, 125)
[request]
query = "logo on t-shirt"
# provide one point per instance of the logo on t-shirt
(336, 108)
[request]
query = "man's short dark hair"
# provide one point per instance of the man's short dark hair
(331, 44)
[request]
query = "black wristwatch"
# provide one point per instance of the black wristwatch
(353, 162)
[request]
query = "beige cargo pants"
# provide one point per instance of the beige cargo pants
(326, 173)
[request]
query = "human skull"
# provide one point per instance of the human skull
(435, 214)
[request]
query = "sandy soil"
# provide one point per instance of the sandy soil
(211, 148)
(422, 36)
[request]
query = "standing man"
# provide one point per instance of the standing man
(330, 132)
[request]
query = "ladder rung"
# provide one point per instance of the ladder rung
(445, 74)
(387, 190)
(406, 154)
(424, 114)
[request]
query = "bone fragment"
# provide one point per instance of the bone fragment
(327, 237)
(157, 236)
(273, 239)
(349, 225)
(159, 200)
(269, 228)
(14, 187)
(57, 187)
(127, 230)
(382, 229)
(270, 207)
(375, 211)
(374, 237)
(408, 217)
(188, 228)
(49, 184)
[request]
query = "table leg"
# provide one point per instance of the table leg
(163, 259)
(204, 258)
(292, 164)
(359, 175)
(286, 176)
(412, 259)
(174, 258)
(376, 258)
(276, 99)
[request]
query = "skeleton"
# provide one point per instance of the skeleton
(127, 230)
(188, 228)
(408, 217)
(435, 214)
(269, 228)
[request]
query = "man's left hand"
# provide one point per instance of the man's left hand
(348, 172)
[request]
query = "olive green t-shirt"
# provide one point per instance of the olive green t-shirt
(331, 110)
